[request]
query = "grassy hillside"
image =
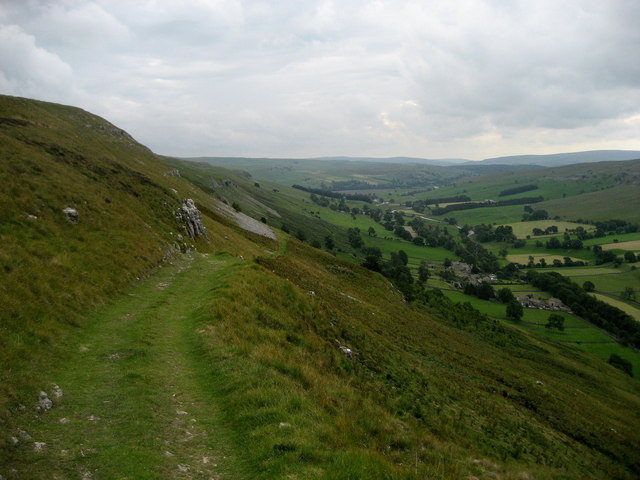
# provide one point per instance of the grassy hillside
(245, 337)
(53, 271)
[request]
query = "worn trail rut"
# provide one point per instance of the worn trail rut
(134, 404)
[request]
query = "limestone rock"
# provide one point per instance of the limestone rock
(71, 214)
(189, 214)
(56, 391)
(44, 402)
(39, 447)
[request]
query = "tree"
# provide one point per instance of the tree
(505, 295)
(630, 257)
(423, 272)
(588, 286)
(485, 291)
(555, 321)
(621, 363)
(628, 294)
(371, 232)
(514, 311)
(328, 242)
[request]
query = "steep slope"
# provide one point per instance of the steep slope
(306, 366)
(53, 270)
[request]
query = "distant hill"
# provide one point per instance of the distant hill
(559, 159)
(443, 162)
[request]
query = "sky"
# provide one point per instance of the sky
(306, 78)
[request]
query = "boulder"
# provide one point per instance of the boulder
(71, 214)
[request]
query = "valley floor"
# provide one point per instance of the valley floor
(133, 405)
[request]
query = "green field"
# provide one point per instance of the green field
(533, 320)
(523, 258)
(625, 307)
(524, 229)
(631, 245)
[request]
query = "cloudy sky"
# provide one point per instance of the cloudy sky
(430, 78)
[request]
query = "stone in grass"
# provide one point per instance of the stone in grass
(183, 468)
(71, 214)
(39, 447)
(56, 391)
(44, 402)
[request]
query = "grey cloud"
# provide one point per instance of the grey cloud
(321, 77)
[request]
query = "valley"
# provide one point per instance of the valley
(325, 318)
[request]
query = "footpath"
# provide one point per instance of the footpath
(129, 403)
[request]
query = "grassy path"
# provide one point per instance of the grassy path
(133, 406)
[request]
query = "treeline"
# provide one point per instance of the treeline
(485, 204)
(599, 313)
(328, 193)
(457, 198)
(513, 191)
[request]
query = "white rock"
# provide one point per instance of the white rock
(64, 420)
(56, 391)
(71, 214)
(183, 468)
(39, 447)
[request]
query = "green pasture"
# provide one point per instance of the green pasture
(522, 229)
(523, 258)
(582, 331)
(632, 246)
(622, 201)
(620, 237)
(625, 307)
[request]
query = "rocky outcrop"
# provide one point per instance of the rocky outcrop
(189, 214)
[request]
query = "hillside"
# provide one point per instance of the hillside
(249, 357)
(559, 159)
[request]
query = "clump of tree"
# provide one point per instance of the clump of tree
(395, 268)
(514, 310)
(547, 231)
(483, 290)
(486, 233)
(556, 321)
(531, 215)
(514, 190)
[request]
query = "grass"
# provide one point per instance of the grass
(577, 331)
(632, 245)
(249, 346)
(523, 229)
(523, 258)
(624, 306)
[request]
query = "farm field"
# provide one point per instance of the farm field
(523, 258)
(625, 307)
(522, 229)
(620, 237)
(577, 332)
(632, 245)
